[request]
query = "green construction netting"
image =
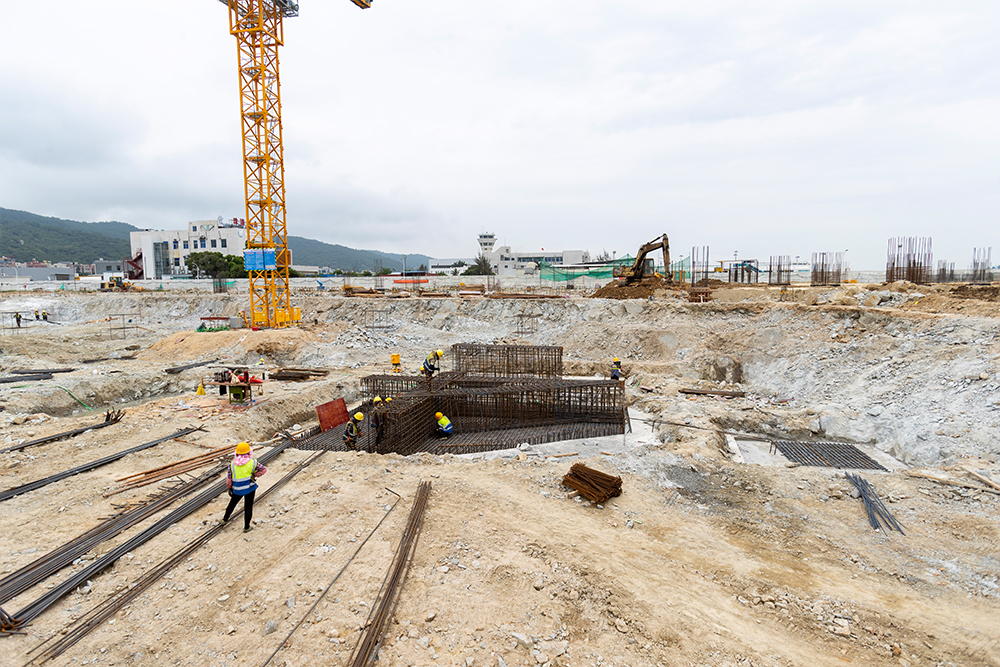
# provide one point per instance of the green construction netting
(562, 274)
(681, 270)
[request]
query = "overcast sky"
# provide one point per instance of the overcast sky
(765, 127)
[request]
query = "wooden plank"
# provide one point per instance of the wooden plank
(923, 475)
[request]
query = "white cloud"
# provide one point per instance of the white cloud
(769, 127)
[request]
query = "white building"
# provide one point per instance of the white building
(158, 253)
(507, 262)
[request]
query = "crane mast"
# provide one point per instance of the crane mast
(259, 31)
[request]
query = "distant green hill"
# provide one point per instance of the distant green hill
(27, 236)
(317, 253)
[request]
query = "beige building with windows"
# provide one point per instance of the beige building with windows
(160, 253)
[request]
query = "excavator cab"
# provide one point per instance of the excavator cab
(625, 271)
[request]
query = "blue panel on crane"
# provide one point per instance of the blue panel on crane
(268, 259)
(253, 260)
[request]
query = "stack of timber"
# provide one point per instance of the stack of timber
(289, 373)
(163, 472)
(360, 291)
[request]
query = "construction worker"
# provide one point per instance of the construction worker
(431, 363)
(616, 369)
(444, 428)
(241, 478)
(375, 421)
(17, 318)
(36, 314)
(45, 315)
(353, 431)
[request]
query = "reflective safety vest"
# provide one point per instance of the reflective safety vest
(351, 432)
(243, 476)
(445, 425)
(431, 362)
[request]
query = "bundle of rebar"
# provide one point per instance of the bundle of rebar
(45, 566)
(86, 467)
(366, 651)
(177, 369)
(108, 608)
(982, 266)
(8, 626)
(945, 271)
(593, 485)
(34, 609)
(110, 417)
(909, 259)
(42, 371)
(700, 268)
(878, 514)
(26, 378)
(169, 470)
(827, 268)
(780, 270)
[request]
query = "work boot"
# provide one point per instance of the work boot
(248, 529)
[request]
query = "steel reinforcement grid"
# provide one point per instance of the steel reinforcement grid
(508, 360)
(489, 417)
(826, 454)
(909, 259)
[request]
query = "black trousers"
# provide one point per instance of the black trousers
(247, 508)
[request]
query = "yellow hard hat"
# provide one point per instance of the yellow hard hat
(440, 353)
(388, 398)
(438, 415)
(359, 416)
(377, 399)
(616, 359)
(243, 448)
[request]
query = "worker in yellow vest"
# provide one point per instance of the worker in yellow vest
(241, 478)
(432, 364)
(353, 431)
(444, 427)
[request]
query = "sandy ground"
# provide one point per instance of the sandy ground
(701, 561)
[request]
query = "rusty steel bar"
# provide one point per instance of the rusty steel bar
(366, 651)
(780, 270)
(593, 485)
(105, 610)
(827, 268)
(826, 454)
(110, 417)
(38, 606)
(508, 360)
(909, 259)
(86, 467)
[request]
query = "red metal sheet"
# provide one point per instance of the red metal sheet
(332, 414)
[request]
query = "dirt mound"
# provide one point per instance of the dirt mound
(619, 290)
(274, 344)
(981, 292)
(710, 282)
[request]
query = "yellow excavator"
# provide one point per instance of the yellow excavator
(642, 267)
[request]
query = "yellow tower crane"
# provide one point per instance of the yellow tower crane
(258, 28)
